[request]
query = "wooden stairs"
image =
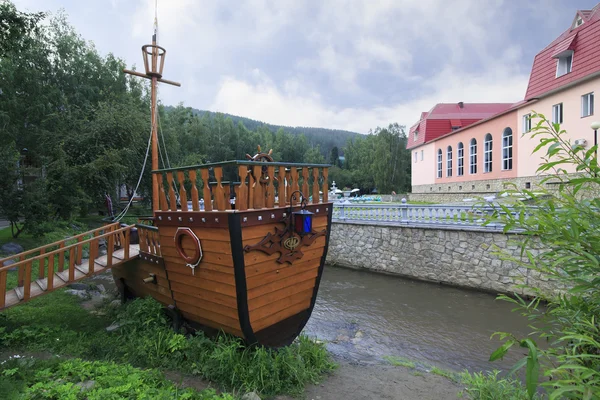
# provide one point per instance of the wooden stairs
(61, 263)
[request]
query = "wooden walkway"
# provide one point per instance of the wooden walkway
(60, 263)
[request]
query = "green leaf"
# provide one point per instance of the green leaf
(501, 351)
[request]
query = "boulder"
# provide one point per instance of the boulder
(10, 262)
(251, 396)
(11, 248)
(79, 286)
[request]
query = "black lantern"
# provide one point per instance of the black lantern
(302, 219)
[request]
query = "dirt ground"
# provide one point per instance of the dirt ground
(354, 382)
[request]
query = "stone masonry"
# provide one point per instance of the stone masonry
(456, 256)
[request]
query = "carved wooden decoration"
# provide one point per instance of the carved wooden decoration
(286, 242)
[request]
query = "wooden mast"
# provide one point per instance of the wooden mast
(153, 70)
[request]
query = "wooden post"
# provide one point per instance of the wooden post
(305, 182)
(164, 206)
(206, 190)
(219, 199)
(21, 273)
(271, 187)
(251, 187)
(281, 186)
(27, 283)
(79, 251)
(182, 192)
(195, 200)
(316, 197)
(259, 195)
(294, 173)
(126, 245)
(50, 280)
(2, 288)
(172, 197)
(109, 250)
(241, 201)
(72, 264)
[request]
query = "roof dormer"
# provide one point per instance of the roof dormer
(578, 21)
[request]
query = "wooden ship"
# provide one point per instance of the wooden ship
(243, 255)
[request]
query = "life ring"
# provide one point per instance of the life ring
(193, 260)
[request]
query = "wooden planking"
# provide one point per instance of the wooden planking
(134, 279)
(215, 246)
(203, 273)
(209, 257)
(272, 264)
(191, 291)
(256, 257)
(230, 312)
(179, 266)
(260, 231)
(167, 234)
(282, 283)
(203, 284)
(272, 297)
(284, 271)
(280, 305)
(281, 315)
(211, 324)
(217, 320)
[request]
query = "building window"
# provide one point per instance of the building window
(526, 123)
(415, 156)
(449, 161)
(557, 113)
(587, 104)
(473, 157)
(487, 153)
(422, 156)
(460, 159)
(507, 149)
(416, 136)
(439, 166)
(578, 22)
(564, 64)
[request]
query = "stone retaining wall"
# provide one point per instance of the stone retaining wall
(459, 256)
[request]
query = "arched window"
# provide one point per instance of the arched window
(507, 149)
(449, 161)
(460, 157)
(487, 153)
(439, 164)
(473, 157)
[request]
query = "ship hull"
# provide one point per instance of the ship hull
(246, 283)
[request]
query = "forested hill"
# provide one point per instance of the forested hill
(326, 138)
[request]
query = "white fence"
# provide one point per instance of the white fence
(408, 214)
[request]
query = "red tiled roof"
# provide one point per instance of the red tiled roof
(442, 117)
(585, 43)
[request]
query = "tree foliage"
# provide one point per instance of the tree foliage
(560, 242)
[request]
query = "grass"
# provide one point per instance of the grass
(400, 361)
(57, 324)
(490, 386)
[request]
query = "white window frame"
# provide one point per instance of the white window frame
(449, 161)
(473, 156)
(488, 143)
(564, 64)
(587, 102)
(557, 113)
(439, 163)
(526, 123)
(460, 159)
(422, 155)
(415, 157)
(416, 135)
(507, 149)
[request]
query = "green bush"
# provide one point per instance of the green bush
(560, 242)
(481, 386)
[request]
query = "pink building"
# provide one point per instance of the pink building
(472, 149)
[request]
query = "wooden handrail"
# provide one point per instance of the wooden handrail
(255, 184)
(64, 249)
(58, 243)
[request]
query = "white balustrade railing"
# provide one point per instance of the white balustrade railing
(409, 214)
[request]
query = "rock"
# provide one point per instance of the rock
(86, 385)
(79, 286)
(101, 288)
(115, 304)
(251, 396)
(11, 248)
(358, 334)
(10, 262)
(113, 327)
(82, 294)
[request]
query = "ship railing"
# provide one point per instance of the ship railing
(240, 185)
(149, 239)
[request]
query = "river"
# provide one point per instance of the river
(364, 316)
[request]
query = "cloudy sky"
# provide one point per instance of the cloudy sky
(346, 64)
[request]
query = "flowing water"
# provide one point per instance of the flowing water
(364, 317)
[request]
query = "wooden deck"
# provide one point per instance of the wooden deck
(39, 287)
